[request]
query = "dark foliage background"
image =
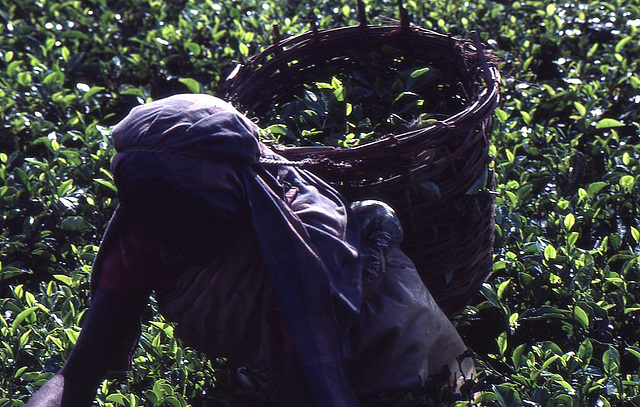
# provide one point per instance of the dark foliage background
(556, 325)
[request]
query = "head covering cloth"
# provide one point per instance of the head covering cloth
(309, 245)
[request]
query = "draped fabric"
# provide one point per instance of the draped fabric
(260, 261)
(307, 236)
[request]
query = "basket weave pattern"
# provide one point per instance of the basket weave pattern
(448, 236)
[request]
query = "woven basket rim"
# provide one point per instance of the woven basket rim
(482, 106)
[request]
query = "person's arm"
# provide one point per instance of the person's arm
(111, 329)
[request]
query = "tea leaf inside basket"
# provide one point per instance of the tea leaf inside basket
(361, 97)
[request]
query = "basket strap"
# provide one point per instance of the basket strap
(269, 162)
(306, 162)
(274, 162)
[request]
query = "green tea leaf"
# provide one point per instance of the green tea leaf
(627, 182)
(64, 279)
(502, 343)
(595, 188)
(24, 339)
(499, 266)
(193, 85)
(551, 9)
(507, 396)
(91, 92)
(516, 356)
(550, 252)
(572, 238)
(117, 398)
(622, 43)
(21, 317)
(602, 401)
(75, 223)
(580, 316)
(244, 49)
(479, 184)
(107, 184)
(501, 115)
(132, 91)
(565, 385)
(419, 72)
(585, 351)
(503, 287)
(611, 361)
(569, 221)
(64, 187)
(544, 312)
(65, 54)
(549, 361)
(609, 124)
(8, 272)
(193, 48)
(580, 108)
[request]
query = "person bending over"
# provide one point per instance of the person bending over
(257, 261)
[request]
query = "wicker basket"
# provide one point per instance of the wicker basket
(448, 235)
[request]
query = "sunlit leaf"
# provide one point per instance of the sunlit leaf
(622, 43)
(572, 238)
(64, 279)
(569, 221)
(580, 316)
(91, 92)
(609, 123)
(193, 85)
(502, 343)
(107, 184)
(516, 356)
(65, 54)
(419, 72)
(550, 252)
(21, 317)
(585, 351)
(503, 287)
(627, 183)
(244, 49)
(551, 9)
(501, 115)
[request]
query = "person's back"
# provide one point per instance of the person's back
(261, 263)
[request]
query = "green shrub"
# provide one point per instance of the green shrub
(559, 316)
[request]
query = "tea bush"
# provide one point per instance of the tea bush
(556, 324)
